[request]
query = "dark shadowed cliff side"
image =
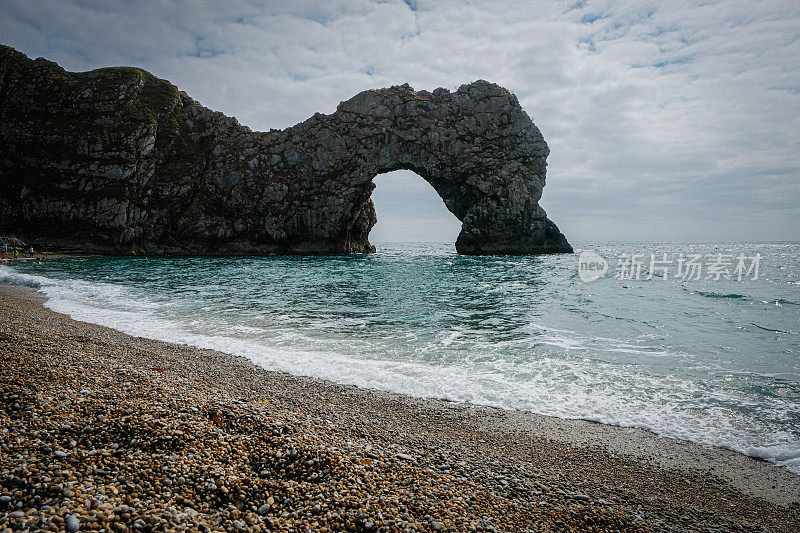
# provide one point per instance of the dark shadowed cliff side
(116, 160)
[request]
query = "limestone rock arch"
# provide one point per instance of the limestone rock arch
(476, 147)
(124, 162)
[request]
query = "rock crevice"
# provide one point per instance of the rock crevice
(115, 161)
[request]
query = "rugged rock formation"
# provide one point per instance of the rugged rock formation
(116, 160)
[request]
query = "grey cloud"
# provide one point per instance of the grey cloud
(664, 119)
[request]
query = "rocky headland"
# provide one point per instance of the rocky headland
(116, 160)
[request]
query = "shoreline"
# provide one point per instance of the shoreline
(629, 477)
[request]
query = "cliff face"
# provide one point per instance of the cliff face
(116, 161)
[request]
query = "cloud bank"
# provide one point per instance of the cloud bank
(666, 120)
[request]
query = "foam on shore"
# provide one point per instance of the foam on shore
(570, 390)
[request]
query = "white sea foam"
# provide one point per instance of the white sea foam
(578, 388)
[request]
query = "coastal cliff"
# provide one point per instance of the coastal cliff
(116, 160)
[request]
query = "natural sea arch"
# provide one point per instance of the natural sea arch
(476, 147)
(123, 162)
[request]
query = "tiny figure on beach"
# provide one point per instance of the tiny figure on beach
(30, 251)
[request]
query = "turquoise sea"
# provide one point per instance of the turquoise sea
(715, 361)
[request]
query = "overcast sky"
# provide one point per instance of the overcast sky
(670, 120)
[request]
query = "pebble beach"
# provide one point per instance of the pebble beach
(101, 431)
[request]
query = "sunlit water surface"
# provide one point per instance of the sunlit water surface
(710, 361)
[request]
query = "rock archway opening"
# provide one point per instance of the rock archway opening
(409, 209)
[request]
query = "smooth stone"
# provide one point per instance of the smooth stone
(72, 523)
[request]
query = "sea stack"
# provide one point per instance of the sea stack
(116, 160)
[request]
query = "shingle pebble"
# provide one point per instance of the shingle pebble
(217, 444)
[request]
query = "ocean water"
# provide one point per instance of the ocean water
(711, 361)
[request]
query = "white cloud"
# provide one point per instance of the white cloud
(674, 120)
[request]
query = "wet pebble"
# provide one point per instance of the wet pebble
(72, 523)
